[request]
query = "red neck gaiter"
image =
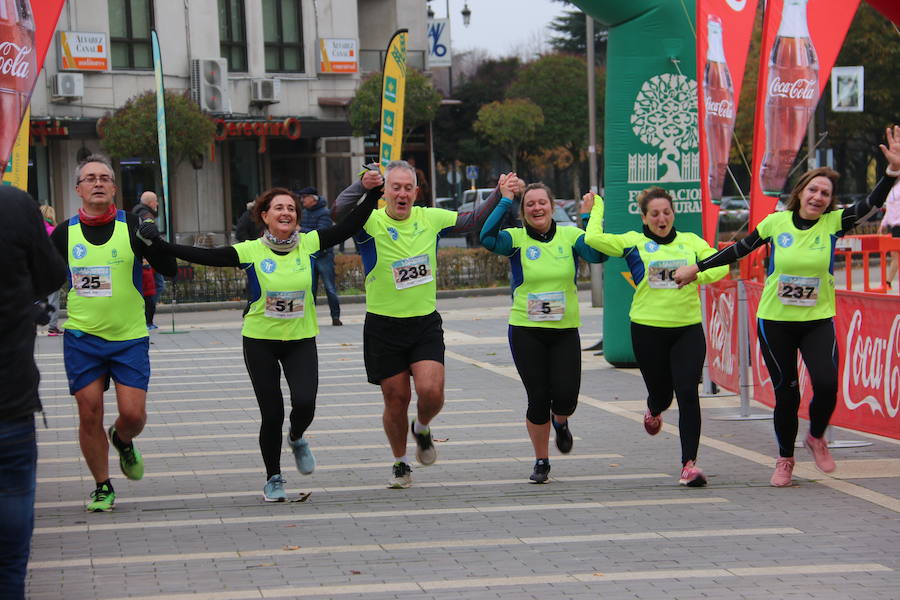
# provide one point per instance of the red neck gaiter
(103, 219)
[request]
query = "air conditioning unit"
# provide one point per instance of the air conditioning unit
(209, 84)
(265, 91)
(68, 85)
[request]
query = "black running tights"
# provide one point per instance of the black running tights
(265, 360)
(549, 364)
(671, 361)
(779, 342)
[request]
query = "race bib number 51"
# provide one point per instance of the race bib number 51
(798, 291)
(285, 305)
(411, 272)
(92, 282)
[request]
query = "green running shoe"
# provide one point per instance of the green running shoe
(102, 499)
(130, 460)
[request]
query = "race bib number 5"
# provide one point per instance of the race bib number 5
(661, 273)
(411, 272)
(546, 306)
(285, 305)
(798, 291)
(92, 282)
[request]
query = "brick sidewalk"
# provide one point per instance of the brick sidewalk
(613, 522)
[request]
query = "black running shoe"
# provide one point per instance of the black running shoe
(541, 471)
(563, 437)
(425, 452)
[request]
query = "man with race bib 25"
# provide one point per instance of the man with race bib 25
(106, 333)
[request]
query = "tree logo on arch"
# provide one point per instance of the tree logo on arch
(665, 116)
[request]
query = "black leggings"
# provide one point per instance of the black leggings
(671, 361)
(779, 341)
(301, 369)
(549, 364)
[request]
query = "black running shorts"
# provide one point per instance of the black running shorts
(392, 344)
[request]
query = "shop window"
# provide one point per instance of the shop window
(137, 176)
(233, 35)
(245, 180)
(130, 22)
(283, 36)
(293, 163)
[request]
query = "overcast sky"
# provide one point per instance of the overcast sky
(501, 27)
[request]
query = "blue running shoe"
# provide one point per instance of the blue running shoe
(306, 462)
(274, 490)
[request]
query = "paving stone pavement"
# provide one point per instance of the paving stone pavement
(613, 522)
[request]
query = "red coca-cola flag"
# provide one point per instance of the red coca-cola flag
(800, 42)
(26, 28)
(724, 28)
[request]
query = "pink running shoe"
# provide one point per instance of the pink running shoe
(784, 467)
(819, 449)
(691, 475)
(652, 424)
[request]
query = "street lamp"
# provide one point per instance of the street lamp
(466, 14)
(430, 12)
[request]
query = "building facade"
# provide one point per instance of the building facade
(275, 75)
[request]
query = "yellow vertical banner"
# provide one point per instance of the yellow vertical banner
(16, 173)
(393, 96)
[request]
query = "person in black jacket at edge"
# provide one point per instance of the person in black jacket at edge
(32, 269)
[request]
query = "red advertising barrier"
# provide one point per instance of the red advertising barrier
(722, 334)
(868, 335)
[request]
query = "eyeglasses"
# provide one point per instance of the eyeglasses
(92, 179)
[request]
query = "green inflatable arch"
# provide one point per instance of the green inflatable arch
(650, 133)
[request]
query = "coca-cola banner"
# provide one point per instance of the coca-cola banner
(26, 28)
(722, 334)
(867, 327)
(800, 42)
(724, 28)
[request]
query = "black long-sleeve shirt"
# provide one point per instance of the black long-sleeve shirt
(32, 270)
(853, 216)
(227, 256)
(100, 234)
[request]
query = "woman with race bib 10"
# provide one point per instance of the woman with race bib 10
(666, 323)
(797, 306)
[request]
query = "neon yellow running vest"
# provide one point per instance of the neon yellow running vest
(282, 306)
(105, 298)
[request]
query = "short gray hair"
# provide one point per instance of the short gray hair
(94, 158)
(400, 164)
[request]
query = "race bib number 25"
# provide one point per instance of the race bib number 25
(92, 282)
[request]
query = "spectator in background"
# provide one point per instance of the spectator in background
(423, 191)
(246, 229)
(315, 215)
(148, 208)
(49, 215)
(32, 269)
(891, 224)
(149, 292)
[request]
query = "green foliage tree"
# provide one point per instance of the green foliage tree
(509, 125)
(872, 41)
(131, 130)
(454, 137)
(558, 84)
(571, 35)
(420, 107)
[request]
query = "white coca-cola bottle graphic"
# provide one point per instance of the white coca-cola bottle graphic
(718, 93)
(18, 69)
(791, 97)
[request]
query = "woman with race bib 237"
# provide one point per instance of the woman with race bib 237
(797, 307)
